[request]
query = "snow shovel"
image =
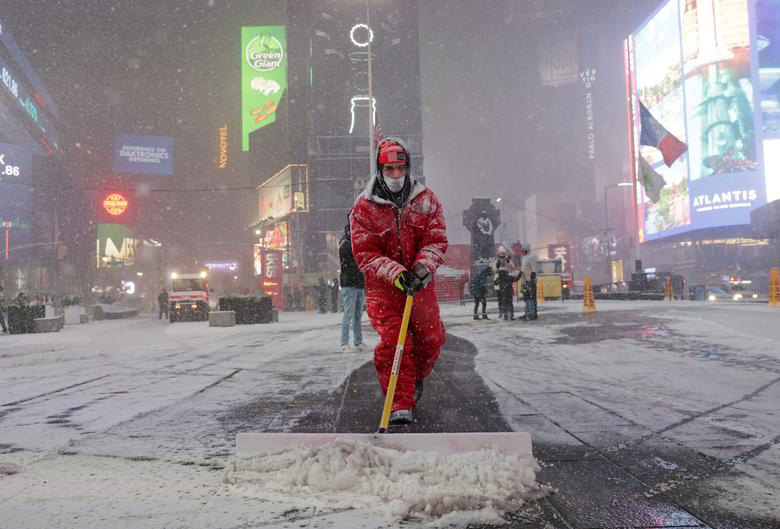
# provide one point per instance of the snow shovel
(259, 444)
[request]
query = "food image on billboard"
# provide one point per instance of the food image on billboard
(142, 154)
(692, 65)
(263, 77)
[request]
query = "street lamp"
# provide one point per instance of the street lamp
(606, 214)
(608, 251)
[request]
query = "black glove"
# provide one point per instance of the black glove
(422, 275)
(404, 282)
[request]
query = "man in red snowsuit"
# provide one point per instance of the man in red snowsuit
(399, 240)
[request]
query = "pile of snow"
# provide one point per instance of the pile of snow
(470, 487)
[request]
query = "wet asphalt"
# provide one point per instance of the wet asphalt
(650, 483)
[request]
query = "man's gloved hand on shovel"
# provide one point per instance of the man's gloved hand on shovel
(414, 282)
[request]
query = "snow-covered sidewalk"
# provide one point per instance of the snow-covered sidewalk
(127, 423)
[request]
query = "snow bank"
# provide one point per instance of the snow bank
(457, 488)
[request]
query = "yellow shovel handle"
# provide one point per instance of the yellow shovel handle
(399, 352)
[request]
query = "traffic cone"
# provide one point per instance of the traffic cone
(774, 287)
(539, 293)
(588, 302)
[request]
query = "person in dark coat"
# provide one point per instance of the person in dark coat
(322, 295)
(529, 296)
(506, 275)
(3, 310)
(162, 301)
(353, 294)
(478, 288)
(334, 295)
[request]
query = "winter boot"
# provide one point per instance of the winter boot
(476, 317)
(485, 317)
(418, 390)
(400, 417)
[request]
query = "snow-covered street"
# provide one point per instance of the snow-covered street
(650, 414)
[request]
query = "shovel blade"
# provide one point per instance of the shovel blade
(251, 444)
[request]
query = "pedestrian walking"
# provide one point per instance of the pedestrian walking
(478, 286)
(530, 262)
(529, 298)
(353, 294)
(162, 301)
(399, 240)
(334, 295)
(3, 310)
(505, 276)
(322, 295)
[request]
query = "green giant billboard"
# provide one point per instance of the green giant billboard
(263, 76)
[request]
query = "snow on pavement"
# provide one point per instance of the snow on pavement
(111, 423)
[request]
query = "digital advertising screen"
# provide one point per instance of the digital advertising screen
(22, 90)
(263, 77)
(143, 154)
(15, 190)
(707, 72)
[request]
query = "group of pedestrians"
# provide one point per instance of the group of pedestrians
(501, 274)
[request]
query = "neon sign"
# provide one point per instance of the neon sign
(115, 204)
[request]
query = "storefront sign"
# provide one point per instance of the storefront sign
(225, 267)
(115, 204)
(223, 150)
(271, 277)
(588, 78)
(560, 251)
(263, 77)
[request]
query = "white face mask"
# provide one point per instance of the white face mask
(394, 184)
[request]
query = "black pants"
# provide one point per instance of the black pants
(163, 308)
(477, 301)
(505, 305)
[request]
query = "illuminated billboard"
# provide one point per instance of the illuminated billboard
(21, 87)
(15, 196)
(263, 77)
(693, 72)
(142, 154)
(223, 267)
(275, 198)
(116, 245)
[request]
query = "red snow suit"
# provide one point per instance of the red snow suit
(385, 242)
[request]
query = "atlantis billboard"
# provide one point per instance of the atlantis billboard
(696, 72)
